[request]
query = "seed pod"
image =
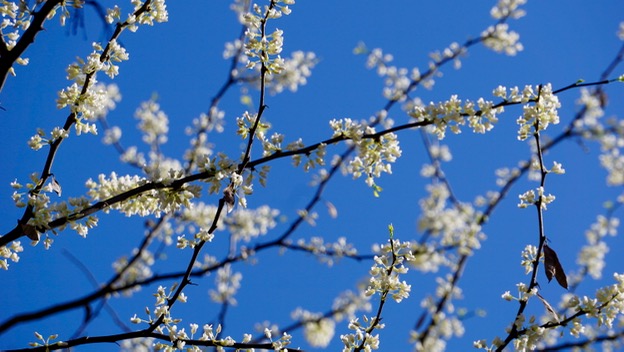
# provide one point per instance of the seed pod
(552, 267)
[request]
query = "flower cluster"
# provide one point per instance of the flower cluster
(452, 52)
(200, 215)
(389, 264)
(133, 272)
(438, 153)
(162, 310)
(317, 329)
(481, 115)
(279, 345)
(201, 236)
(592, 255)
(247, 121)
(384, 280)
(293, 73)
(609, 134)
(455, 226)
(361, 336)
(445, 324)
(260, 47)
(539, 115)
(529, 255)
(100, 59)
(592, 106)
(96, 102)
(285, 73)
(505, 175)
(45, 211)
(375, 152)
(247, 224)
(200, 148)
(10, 252)
(47, 341)
(532, 336)
(508, 9)
(112, 135)
(397, 80)
(446, 328)
(328, 253)
(529, 198)
(168, 325)
(500, 39)
(155, 12)
(150, 202)
(604, 309)
(612, 158)
(87, 98)
(16, 19)
(428, 258)
(314, 159)
(153, 122)
(228, 283)
(348, 303)
(37, 141)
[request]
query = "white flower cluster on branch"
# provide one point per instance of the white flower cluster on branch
(375, 152)
(328, 252)
(592, 255)
(169, 189)
(453, 113)
(541, 114)
(385, 281)
(154, 202)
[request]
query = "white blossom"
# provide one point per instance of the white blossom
(154, 123)
(508, 9)
(541, 114)
(247, 224)
(227, 284)
(500, 39)
(139, 270)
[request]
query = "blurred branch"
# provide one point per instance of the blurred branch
(619, 335)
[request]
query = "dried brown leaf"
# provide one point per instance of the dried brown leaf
(228, 197)
(553, 267)
(31, 232)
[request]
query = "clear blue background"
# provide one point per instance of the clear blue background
(182, 61)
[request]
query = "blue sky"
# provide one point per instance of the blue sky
(182, 62)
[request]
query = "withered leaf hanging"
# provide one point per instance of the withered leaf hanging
(30, 231)
(228, 197)
(552, 267)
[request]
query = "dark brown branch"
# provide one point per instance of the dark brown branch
(9, 57)
(71, 119)
(113, 339)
